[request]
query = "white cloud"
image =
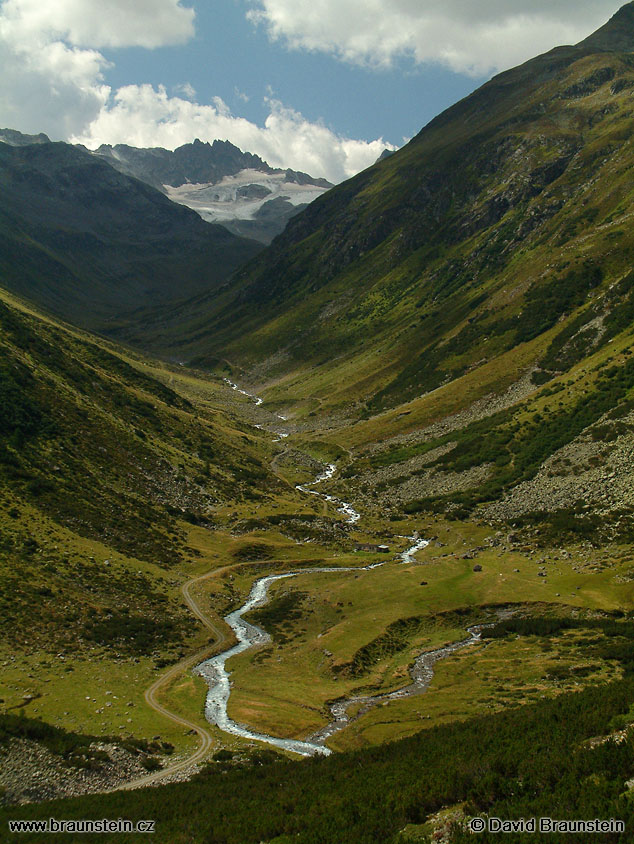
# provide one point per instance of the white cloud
(47, 85)
(52, 81)
(143, 116)
(52, 77)
(102, 23)
(469, 36)
(185, 89)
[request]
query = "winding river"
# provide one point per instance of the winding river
(237, 389)
(342, 506)
(422, 673)
(218, 678)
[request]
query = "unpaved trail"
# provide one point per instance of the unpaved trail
(206, 740)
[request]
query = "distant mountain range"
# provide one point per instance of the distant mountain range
(220, 182)
(223, 184)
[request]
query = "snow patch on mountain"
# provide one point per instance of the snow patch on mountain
(241, 196)
(251, 202)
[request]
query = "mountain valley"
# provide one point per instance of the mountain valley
(407, 425)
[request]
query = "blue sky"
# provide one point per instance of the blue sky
(317, 85)
(229, 56)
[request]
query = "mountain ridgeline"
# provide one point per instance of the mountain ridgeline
(198, 162)
(236, 189)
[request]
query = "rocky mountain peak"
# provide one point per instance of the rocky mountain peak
(617, 35)
(19, 139)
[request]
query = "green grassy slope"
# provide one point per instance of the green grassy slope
(114, 490)
(548, 452)
(106, 450)
(505, 215)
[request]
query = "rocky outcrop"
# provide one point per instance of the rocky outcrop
(596, 472)
(30, 773)
(195, 163)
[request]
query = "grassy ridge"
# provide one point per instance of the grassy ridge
(104, 448)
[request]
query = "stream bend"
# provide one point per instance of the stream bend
(214, 670)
